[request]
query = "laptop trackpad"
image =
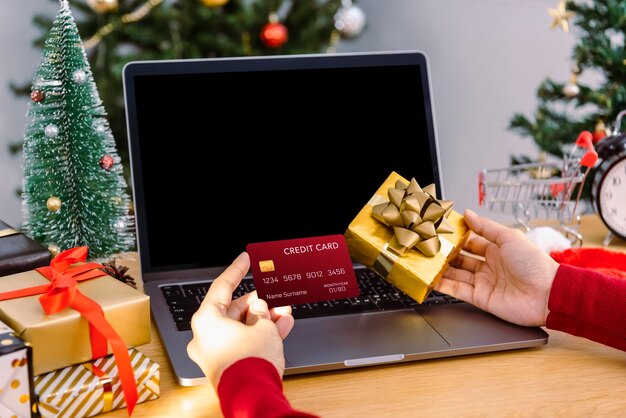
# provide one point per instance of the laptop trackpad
(349, 339)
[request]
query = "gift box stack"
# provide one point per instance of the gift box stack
(407, 235)
(80, 325)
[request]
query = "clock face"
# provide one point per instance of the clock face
(611, 197)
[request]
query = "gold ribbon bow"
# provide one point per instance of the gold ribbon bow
(416, 216)
(7, 232)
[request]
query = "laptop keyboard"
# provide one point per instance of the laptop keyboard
(376, 295)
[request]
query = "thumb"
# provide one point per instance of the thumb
(491, 230)
(258, 309)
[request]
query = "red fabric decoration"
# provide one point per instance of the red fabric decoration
(609, 262)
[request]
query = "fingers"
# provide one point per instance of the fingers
(475, 244)
(467, 262)
(281, 315)
(239, 307)
(459, 275)
(490, 230)
(258, 309)
(280, 311)
(284, 325)
(221, 291)
(457, 289)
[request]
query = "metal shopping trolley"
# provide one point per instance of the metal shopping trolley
(545, 190)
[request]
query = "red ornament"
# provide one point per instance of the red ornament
(37, 96)
(274, 34)
(106, 162)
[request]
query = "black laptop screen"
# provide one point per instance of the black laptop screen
(223, 159)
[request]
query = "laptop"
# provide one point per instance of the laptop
(230, 151)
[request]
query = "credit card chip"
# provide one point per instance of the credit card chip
(266, 266)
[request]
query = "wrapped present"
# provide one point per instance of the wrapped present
(92, 388)
(19, 253)
(16, 376)
(72, 312)
(406, 235)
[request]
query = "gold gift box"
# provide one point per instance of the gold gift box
(62, 339)
(412, 272)
(76, 391)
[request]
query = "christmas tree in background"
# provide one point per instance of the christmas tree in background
(119, 31)
(568, 108)
(74, 192)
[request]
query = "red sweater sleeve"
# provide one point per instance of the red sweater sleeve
(588, 304)
(252, 388)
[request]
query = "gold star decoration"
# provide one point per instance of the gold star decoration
(561, 16)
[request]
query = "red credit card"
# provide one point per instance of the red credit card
(303, 270)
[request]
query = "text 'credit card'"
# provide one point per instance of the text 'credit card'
(303, 270)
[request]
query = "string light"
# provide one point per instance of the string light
(134, 16)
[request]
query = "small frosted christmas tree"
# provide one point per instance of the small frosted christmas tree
(74, 192)
(566, 109)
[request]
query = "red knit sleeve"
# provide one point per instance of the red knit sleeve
(588, 304)
(252, 388)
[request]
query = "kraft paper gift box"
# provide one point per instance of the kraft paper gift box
(92, 388)
(19, 253)
(63, 338)
(17, 398)
(406, 235)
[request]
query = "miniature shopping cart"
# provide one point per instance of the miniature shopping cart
(545, 190)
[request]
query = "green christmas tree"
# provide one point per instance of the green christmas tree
(119, 31)
(569, 107)
(74, 192)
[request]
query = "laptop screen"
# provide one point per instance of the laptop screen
(228, 152)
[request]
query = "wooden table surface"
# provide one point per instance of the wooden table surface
(568, 377)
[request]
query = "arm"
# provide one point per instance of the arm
(588, 304)
(252, 387)
(239, 347)
(506, 274)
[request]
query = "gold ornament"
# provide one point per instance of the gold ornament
(54, 250)
(53, 204)
(103, 6)
(571, 89)
(561, 16)
(214, 3)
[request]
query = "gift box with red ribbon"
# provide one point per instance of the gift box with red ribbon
(407, 235)
(93, 388)
(72, 312)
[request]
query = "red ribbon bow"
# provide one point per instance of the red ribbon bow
(62, 293)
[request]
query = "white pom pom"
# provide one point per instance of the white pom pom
(548, 239)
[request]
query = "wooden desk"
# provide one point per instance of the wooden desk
(569, 377)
